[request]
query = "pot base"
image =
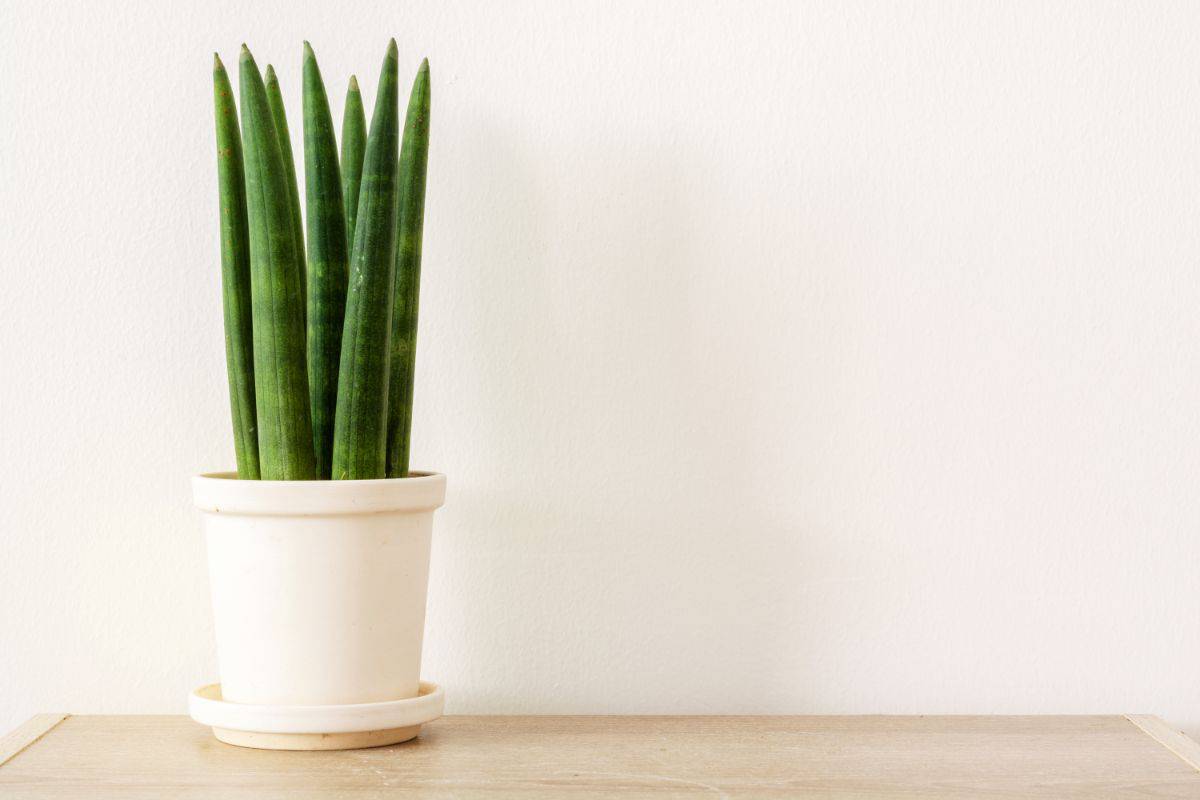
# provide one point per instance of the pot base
(316, 741)
(333, 727)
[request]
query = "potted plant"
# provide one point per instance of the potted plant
(318, 546)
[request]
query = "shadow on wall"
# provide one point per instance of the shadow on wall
(607, 519)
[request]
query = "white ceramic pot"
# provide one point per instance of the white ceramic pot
(318, 587)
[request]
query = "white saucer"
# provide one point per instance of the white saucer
(338, 727)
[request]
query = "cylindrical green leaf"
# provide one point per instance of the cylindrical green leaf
(285, 444)
(360, 430)
(354, 144)
(327, 261)
(410, 220)
(279, 115)
(235, 276)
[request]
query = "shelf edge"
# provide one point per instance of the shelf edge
(1180, 745)
(24, 735)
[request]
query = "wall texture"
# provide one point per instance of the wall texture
(795, 357)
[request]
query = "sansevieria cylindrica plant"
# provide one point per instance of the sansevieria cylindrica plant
(320, 314)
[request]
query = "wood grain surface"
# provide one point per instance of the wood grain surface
(18, 739)
(101, 757)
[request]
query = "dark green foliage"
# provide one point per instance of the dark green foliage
(279, 115)
(327, 261)
(235, 275)
(410, 216)
(321, 349)
(360, 429)
(280, 377)
(354, 144)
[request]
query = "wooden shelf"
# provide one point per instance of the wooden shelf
(100, 757)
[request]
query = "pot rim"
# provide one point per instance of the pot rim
(223, 493)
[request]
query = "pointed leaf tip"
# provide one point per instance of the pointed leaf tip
(308, 51)
(353, 83)
(217, 61)
(391, 51)
(424, 66)
(271, 74)
(246, 51)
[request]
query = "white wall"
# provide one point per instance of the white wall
(820, 357)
